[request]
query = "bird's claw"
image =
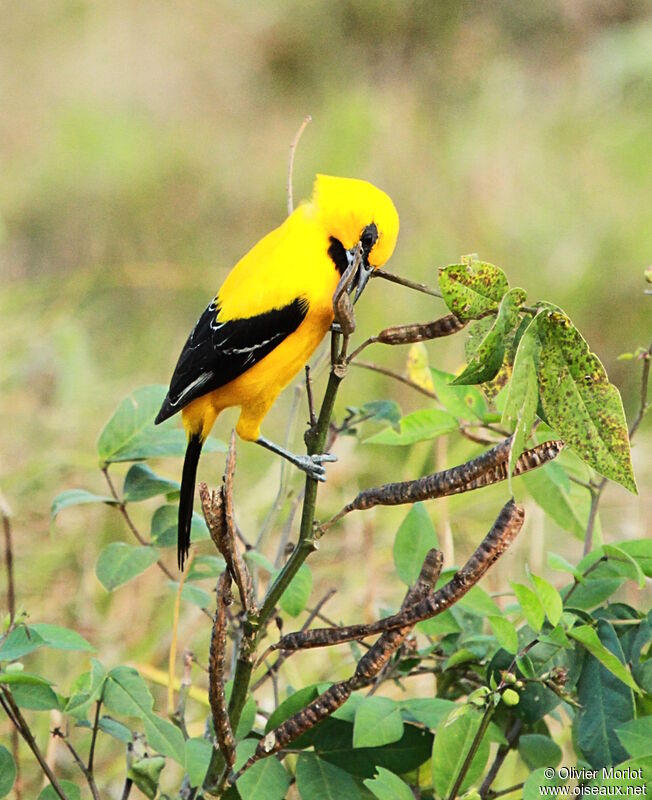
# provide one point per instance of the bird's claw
(312, 465)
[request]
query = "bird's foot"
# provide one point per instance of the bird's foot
(312, 465)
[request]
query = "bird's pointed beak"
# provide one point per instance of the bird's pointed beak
(364, 273)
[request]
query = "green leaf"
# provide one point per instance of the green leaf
(146, 774)
(452, 744)
(627, 563)
(164, 528)
(130, 434)
(604, 693)
(192, 594)
(414, 538)
(7, 771)
(141, 483)
(429, 711)
(265, 780)
(478, 602)
(522, 395)
(257, 558)
(115, 729)
(578, 400)
(377, 722)
(20, 678)
(125, 692)
(295, 597)
(471, 290)
(420, 426)
(291, 705)
(382, 411)
(120, 562)
(441, 625)
(548, 487)
(333, 741)
(61, 638)
(37, 697)
(19, 643)
(550, 598)
(505, 633)
(87, 688)
(593, 591)
(538, 750)
(71, 790)
(588, 638)
(530, 604)
(538, 783)
(77, 497)
(387, 786)
(641, 551)
(198, 757)
(463, 402)
(561, 564)
(488, 356)
(625, 775)
(636, 736)
(203, 567)
(165, 738)
(317, 778)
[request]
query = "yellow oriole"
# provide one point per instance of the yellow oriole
(274, 308)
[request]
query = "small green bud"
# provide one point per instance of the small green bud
(510, 697)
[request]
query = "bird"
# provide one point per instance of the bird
(269, 316)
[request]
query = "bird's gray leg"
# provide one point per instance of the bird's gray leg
(311, 465)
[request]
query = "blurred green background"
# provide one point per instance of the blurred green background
(144, 149)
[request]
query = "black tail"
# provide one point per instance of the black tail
(186, 498)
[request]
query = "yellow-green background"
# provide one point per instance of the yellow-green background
(143, 149)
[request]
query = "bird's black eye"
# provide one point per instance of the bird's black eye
(369, 237)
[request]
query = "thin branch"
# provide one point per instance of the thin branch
(9, 559)
(75, 755)
(175, 630)
(122, 508)
(23, 728)
(127, 789)
(510, 790)
(216, 695)
(643, 402)
(512, 737)
(419, 287)
(397, 377)
(293, 147)
(312, 417)
(96, 723)
(473, 749)
(642, 410)
(272, 670)
(285, 467)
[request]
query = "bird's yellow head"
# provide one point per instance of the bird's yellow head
(353, 211)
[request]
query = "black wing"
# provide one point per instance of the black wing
(218, 352)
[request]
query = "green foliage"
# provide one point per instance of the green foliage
(557, 648)
(130, 434)
(120, 562)
(419, 426)
(7, 771)
(377, 722)
(414, 538)
(452, 746)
